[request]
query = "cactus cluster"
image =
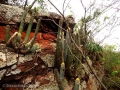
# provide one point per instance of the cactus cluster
(66, 52)
(23, 46)
(72, 50)
(67, 55)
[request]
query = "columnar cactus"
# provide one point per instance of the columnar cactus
(30, 45)
(15, 39)
(29, 27)
(62, 70)
(65, 51)
(7, 33)
(59, 47)
(77, 82)
(23, 19)
(22, 25)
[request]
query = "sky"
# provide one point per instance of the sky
(76, 9)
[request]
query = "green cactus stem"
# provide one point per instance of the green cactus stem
(27, 48)
(27, 45)
(7, 33)
(22, 24)
(36, 47)
(59, 47)
(62, 70)
(76, 38)
(66, 47)
(69, 61)
(29, 27)
(18, 37)
(69, 56)
(57, 77)
(36, 32)
(76, 63)
(23, 21)
(60, 29)
(77, 82)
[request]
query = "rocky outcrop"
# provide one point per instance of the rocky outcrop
(20, 71)
(36, 70)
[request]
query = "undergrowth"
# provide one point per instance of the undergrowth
(112, 67)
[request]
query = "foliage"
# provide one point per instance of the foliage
(42, 4)
(114, 73)
(112, 67)
(93, 47)
(24, 3)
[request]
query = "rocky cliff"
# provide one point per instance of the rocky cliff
(36, 70)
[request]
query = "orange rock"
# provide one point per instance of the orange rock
(43, 39)
(2, 33)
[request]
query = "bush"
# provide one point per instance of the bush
(112, 67)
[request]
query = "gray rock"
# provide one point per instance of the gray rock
(48, 59)
(2, 73)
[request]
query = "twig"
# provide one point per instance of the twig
(89, 65)
(57, 9)
(11, 38)
(63, 6)
(66, 6)
(32, 4)
(25, 3)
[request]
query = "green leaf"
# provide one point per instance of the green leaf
(114, 72)
(37, 9)
(103, 59)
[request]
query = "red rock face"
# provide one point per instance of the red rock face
(28, 71)
(44, 39)
(2, 33)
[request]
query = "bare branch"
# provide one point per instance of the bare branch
(32, 4)
(63, 6)
(67, 5)
(57, 9)
(88, 63)
(25, 4)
